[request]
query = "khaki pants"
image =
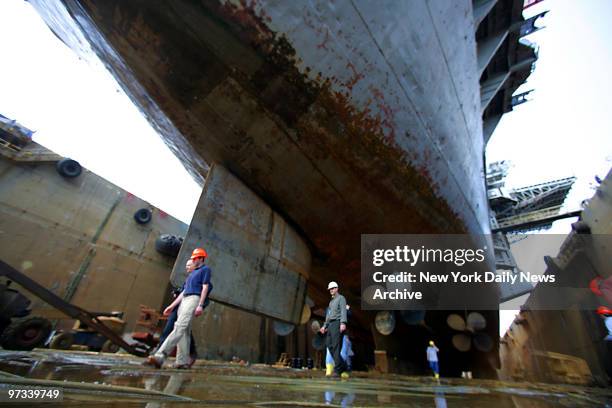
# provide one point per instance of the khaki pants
(180, 335)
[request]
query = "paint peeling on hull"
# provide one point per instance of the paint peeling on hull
(340, 145)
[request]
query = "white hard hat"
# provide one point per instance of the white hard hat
(332, 284)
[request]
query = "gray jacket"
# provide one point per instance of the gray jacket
(336, 310)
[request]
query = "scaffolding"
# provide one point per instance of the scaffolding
(525, 208)
(520, 210)
(527, 205)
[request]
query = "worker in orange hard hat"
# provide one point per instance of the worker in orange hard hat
(191, 302)
(606, 314)
(604, 311)
(602, 287)
(193, 353)
(198, 253)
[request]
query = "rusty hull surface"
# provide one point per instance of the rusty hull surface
(347, 117)
(260, 264)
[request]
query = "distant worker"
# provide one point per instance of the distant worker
(190, 303)
(334, 327)
(606, 314)
(193, 353)
(432, 358)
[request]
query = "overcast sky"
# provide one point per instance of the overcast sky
(566, 129)
(78, 110)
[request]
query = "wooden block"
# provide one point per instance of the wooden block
(380, 361)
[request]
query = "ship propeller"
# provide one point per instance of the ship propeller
(385, 322)
(471, 332)
(282, 328)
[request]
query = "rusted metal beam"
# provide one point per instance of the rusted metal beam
(532, 224)
(69, 309)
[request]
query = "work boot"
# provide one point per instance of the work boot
(329, 369)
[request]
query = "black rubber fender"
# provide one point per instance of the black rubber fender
(69, 168)
(143, 216)
(168, 244)
(26, 333)
(12, 303)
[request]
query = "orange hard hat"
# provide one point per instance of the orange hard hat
(604, 311)
(594, 286)
(198, 253)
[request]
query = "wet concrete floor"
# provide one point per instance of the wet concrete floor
(103, 379)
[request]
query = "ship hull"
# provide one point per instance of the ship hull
(345, 117)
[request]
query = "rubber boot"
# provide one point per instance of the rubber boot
(329, 369)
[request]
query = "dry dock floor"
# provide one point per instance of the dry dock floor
(114, 380)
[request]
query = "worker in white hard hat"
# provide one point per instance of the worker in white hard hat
(346, 351)
(334, 327)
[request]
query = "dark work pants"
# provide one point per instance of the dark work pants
(168, 329)
(334, 344)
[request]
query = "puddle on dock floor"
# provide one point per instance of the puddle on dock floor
(223, 384)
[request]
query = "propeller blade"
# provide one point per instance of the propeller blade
(462, 342)
(385, 322)
(483, 342)
(455, 322)
(315, 326)
(309, 301)
(305, 314)
(282, 328)
(476, 321)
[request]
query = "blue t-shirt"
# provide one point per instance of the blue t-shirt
(432, 353)
(195, 281)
